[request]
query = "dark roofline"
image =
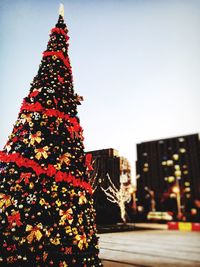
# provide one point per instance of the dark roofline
(169, 138)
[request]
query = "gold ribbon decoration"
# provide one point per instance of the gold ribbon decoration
(68, 229)
(81, 241)
(35, 138)
(67, 215)
(5, 200)
(26, 117)
(55, 241)
(41, 152)
(82, 198)
(35, 232)
(65, 158)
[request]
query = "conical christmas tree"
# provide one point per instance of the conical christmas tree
(46, 206)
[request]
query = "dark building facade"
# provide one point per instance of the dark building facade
(108, 162)
(168, 175)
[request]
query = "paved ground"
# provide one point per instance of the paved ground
(150, 248)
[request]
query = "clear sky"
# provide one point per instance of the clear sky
(137, 64)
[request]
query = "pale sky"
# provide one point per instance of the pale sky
(137, 64)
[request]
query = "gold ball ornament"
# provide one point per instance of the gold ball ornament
(31, 185)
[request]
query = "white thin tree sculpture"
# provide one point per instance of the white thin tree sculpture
(119, 196)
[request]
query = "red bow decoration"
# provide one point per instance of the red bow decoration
(77, 128)
(75, 131)
(23, 133)
(68, 250)
(61, 79)
(15, 218)
(15, 139)
(12, 248)
(72, 131)
(55, 102)
(34, 93)
(17, 129)
(88, 163)
(24, 176)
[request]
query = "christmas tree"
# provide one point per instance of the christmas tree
(46, 207)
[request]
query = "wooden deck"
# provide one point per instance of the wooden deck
(150, 248)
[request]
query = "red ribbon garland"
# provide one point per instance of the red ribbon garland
(59, 55)
(75, 128)
(60, 31)
(31, 107)
(37, 107)
(21, 161)
(49, 171)
(62, 176)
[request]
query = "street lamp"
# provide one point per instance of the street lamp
(132, 192)
(176, 191)
(152, 196)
